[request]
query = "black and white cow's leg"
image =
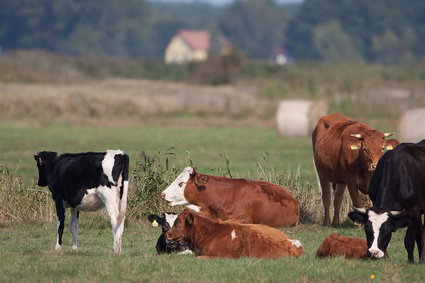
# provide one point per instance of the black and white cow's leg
(409, 239)
(73, 226)
(110, 197)
(422, 255)
(60, 223)
(420, 241)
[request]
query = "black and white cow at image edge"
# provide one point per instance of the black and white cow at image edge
(397, 190)
(86, 182)
(166, 221)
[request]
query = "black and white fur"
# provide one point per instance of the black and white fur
(397, 190)
(163, 245)
(86, 182)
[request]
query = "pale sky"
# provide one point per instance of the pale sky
(220, 2)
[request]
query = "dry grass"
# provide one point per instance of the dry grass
(127, 99)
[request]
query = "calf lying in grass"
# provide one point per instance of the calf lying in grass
(162, 245)
(230, 239)
(337, 245)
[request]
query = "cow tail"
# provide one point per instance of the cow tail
(124, 188)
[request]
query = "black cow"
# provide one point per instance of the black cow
(166, 222)
(86, 182)
(397, 190)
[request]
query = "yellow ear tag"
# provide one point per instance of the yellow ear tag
(353, 147)
(154, 223)
(389, 147)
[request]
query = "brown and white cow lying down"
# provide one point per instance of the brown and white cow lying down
(337, 245)
(346, 153)
(248, 201)
(212, 238)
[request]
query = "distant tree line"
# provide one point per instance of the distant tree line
(387, 31)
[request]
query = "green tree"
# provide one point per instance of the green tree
(333, 44)
(254, 26)
(379, 30)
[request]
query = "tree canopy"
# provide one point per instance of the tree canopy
(386, 31)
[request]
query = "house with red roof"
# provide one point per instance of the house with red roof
(191, 45)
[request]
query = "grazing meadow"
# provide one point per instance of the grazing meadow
(61, 106)
(27, 238)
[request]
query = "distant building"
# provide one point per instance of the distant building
(279, 56)
(193, 45)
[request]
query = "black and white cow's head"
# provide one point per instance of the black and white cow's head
(45, 164)
(379, 226)
(166, 221)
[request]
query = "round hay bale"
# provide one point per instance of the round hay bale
(297, 118)
(410, 127)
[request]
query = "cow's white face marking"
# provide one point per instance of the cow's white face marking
(174, 193)
(377, 220)
(233, 234)
(296, 243)
(108, 163)
(170, 218)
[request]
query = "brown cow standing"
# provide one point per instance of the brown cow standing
(346, 153)
(229, 239)
(248, 201)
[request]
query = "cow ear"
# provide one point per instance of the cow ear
(355, 146)
(193, 173)
(189, 219)
(200, 182)
(391, 144)
(36, 157)
(358, 217)
(397, 222)
(154, 217)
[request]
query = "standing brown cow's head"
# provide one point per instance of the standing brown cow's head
(372, 145)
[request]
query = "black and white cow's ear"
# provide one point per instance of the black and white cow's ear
(36, 157)
(358, 217)
(153, 217)
(397, 222)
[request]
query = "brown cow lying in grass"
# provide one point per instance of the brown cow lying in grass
(231, 239)
(337, 245)
(251, 202)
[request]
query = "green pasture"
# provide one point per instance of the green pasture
(27, 248)
(208, 148)
(27, 255)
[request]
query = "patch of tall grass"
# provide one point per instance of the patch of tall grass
(20, 202)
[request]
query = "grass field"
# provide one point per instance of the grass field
(27, 255)
(26, 248)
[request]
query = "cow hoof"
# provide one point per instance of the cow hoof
(74, 247)
(58, 247)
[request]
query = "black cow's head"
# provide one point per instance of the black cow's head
(166, 221)
(45, 164)
(378, 225)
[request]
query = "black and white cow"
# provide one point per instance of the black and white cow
(397, 190)
(86, 182)
(166, 222)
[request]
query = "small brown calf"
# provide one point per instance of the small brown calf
(212, 238)
(337, 245)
